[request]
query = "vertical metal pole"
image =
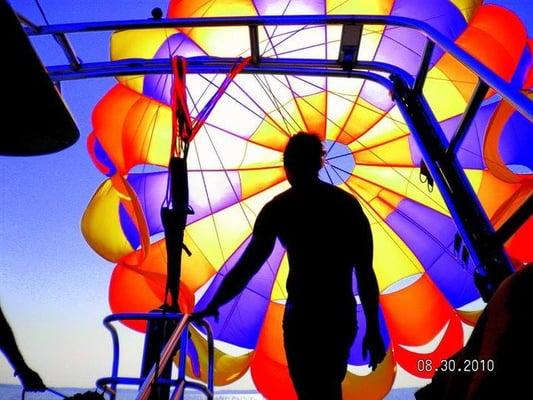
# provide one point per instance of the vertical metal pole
(468, 214)
(254, 43)
(468, 117)
(424, 66)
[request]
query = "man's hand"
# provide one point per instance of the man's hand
(31, 381)
(374, 348)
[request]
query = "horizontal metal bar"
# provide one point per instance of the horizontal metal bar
(162, 66)
(519, 100)
(270, 20)
(141, 316)
(133, 381)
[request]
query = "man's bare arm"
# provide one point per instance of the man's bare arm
(369, 293)
(366, 278)
(235, 281)
(255, 255)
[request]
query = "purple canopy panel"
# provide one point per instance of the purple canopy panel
(516, 142)
(241, 319)
(404, 47)
(159, 87)
(430, 236)
(471, 150)
(289, 7)
(210, 192)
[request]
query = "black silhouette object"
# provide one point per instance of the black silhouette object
(30, 380)
(496, 360)
(326, 235)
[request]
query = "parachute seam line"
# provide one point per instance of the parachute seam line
(284, 105)
(289, 35)
(277, 55)
(261, 117)
(329, 176)
(396, 192)
(41, 11)
(237, 197)
(383, 35)
(236, 135)
(381, 159)
(306, 47)
(422, 228)
(357, 95)
(211, 214)
(371, 147)
(279, 108)
(239, 200)
(436, 78)
(270, 121)
(320, 112)
(380, 222)
(343, 96)
(481, 156)
(276, 26)
(405, 194)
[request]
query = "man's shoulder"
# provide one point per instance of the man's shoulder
(340, 194)
(277, 202)
(281, 198)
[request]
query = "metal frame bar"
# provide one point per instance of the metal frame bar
(424, 66)
(254, 43)
(519, 100)
(146, 382)
(468, 117)
(213, 65)
(460, 198)
(457, 192)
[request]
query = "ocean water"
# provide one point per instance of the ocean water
(13, 392)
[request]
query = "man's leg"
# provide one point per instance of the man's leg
(317, 363)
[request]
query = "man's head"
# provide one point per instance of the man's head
(303, 158)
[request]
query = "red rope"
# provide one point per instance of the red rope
(183, 129)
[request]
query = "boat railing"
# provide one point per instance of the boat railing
(178, 341)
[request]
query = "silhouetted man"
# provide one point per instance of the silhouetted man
(30, 380)
(326, 235)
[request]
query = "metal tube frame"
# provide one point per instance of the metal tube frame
(468, 214)
(519, 100)
(468, 117)
(179, 336)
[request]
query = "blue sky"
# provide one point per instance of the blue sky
(53, 287)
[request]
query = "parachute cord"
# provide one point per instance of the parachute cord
(37, 2)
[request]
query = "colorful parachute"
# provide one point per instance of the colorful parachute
(427, 291)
